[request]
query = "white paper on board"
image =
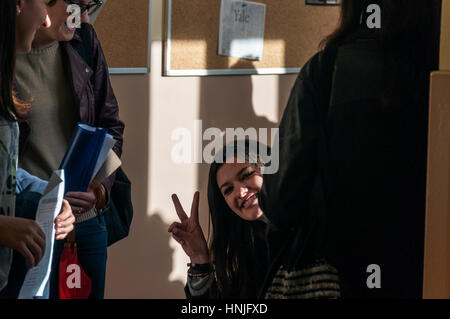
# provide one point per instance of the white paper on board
(241, 30)
(108, 144)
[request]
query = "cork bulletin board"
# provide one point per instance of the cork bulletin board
(293, 31)
(124, 29)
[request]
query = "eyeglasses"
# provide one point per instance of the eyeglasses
(90, 7)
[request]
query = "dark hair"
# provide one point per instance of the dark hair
(409, 38)
(238, 247)
(7, 57)
(10, 106)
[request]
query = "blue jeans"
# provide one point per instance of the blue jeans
(92, 243)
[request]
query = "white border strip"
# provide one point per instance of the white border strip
(128, 70)
(150, 36)
(168, 52)
(266, 71)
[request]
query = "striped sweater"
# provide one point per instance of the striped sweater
(319, 280)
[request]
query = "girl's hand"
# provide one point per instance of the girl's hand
(64, 221)
(188, 233)
(25, 236)
(81, 202)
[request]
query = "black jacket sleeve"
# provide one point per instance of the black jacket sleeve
(106, 105)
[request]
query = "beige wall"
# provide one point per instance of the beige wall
(148, 264)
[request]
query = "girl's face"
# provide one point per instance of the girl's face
(31, 15)
(239, 184)
(59, 30)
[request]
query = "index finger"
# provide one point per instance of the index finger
(74, 194)
(40, 240)
(180, 211)
(40, 233)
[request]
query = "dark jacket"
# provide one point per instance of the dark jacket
(351, 183)
(96, 103)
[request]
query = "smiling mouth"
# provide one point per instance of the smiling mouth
(249, 201)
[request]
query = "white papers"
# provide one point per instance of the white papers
(106, 147)
(241, 31)
(111, 164)
(49, 207)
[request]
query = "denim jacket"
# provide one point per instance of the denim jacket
(25, 182)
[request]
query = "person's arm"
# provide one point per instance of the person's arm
(23, 235)
(107, 116)
(29, 183)
(189, 234)
(107, 108)
(29, 189)
(200, 281)
(285, 195)
(19, 234)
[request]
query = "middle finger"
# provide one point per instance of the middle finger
(36, 250)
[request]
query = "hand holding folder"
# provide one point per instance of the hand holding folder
(88, 156)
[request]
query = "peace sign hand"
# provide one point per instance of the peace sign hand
(188, 233)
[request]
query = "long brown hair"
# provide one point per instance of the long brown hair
(238, 247)
(11, 108)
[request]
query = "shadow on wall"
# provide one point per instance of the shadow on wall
(139, 265)
(285, 84)
(147, 263)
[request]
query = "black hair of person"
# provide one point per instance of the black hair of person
(409, 38)
(7, 57)
(11, 108)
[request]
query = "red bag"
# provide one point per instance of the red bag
(73, 281)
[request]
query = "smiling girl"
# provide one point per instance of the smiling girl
(248, 257)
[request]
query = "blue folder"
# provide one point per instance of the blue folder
(81, 156)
